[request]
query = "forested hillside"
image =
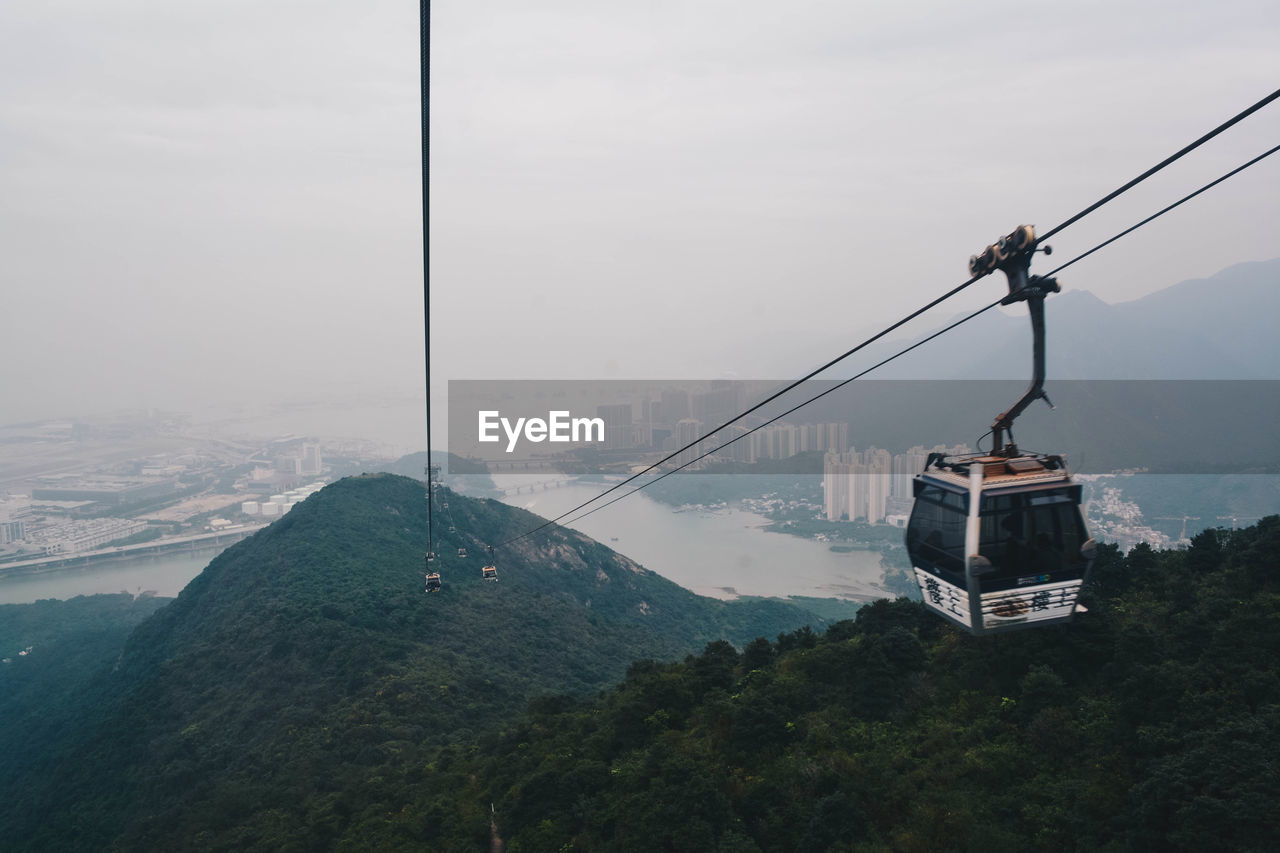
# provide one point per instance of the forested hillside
(304, 694)
(1152, 723)
(55, 653)
(297, 692)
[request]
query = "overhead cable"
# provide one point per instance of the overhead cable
(1160, 213)
(793, 409)
(758, 405)
(1109, 197)
(1238, 117)
(424, 48)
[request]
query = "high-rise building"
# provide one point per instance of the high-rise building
(856, 485)
(13, 527)
(649, 409)
(879, 475)
(717, 405)
(859, 495)
(311, 459)
(675, 407)
(837, 471)
(12, 531)
(829, 438)
(619, 432)
(872, 484)
(905, 467)
(687, 430)
(783, 441)
(742, 449)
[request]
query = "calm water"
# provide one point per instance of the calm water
(721, 554)
(165, 576)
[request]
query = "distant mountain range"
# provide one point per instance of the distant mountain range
(1221, 327)
(1182, 380)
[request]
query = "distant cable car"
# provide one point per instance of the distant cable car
(997, 540)
(490, 572)
(462, 552)
(433, 582)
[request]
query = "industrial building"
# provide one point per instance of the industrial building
(113, 492)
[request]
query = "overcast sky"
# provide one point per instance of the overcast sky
(221, 202)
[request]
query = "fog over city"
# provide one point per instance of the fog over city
(254, 597)
(220, 203)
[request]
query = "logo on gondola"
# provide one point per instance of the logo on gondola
(1033, 579)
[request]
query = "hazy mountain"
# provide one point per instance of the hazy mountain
(304, 682)
(304, 694)
(462, 475)
(1113, 372)
(1221, 327)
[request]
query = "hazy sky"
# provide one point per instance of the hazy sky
(221, 202)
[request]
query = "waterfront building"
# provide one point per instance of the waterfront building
(905, 467)
(619, 433)
(118, 491)
(74, 537)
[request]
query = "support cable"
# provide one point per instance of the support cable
(1160, 213)
(424, 52)
(794, 408)
(1238, 117)
(775, 395)
(1091, 208)
(1105, 243)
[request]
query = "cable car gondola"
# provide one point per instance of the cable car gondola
(462, 552)
(432, 472)
(433, 578)
(997, 540)
(490, 572)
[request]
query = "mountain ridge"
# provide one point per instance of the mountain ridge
(1200, 328)
(314, 641)
(1210, 328)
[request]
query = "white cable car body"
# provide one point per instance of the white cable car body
(999, 543)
